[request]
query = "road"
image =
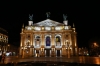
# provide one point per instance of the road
(80, 59)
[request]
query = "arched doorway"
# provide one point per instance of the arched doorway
(58, 53)
(58, 45)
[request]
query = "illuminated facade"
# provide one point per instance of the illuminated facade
(48, 38)
(3, 41)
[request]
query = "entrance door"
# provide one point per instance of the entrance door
(47, 53)
(37, 53)
(58, 53)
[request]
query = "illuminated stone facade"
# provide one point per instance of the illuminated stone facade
(48, 38)
(3, 41)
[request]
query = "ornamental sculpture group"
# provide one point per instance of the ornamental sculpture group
(48, 16)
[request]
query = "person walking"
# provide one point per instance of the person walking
(3, 58)
(0, 58)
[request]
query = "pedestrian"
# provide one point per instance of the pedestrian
(3, 58)
(0, 58)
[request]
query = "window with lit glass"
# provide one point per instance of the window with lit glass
(58, 41)
(37, 41)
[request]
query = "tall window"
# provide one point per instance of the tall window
(37, 41)
(48, 41)
(58, 41)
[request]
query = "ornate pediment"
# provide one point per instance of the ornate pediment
(48, 23)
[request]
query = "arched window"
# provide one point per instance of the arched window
(48, 41)
(58, 41)
(37, 41)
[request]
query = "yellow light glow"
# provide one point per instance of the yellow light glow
(95, 44)
(8, 45)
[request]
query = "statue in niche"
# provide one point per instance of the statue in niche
(37, 42)
(64, 17)
(58, 41)
(48, 15)
(30, 17)
(67, 37)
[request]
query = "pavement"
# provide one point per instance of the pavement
(78, 59)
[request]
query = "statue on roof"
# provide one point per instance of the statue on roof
(64, 16)
(30, 17)
(48, 14)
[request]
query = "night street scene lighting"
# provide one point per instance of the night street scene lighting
(49, 33)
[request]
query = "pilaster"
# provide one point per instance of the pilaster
(53, 39)
(76, 47)
(70, 39)
(43, 40)
(31, 38)
(60, 53)
(62, 38)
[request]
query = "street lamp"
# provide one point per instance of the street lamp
(94, 49)
(95, 45)
(8, 47)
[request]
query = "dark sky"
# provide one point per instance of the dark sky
(85, 16)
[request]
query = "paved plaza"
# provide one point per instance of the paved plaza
(80, 59)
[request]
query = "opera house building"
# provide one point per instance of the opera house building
(48, 38)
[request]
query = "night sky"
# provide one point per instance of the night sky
(85, 16)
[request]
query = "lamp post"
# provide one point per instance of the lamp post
(95, 47)
(8, 49)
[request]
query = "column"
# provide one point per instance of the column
(24, 41)
(62, 39)
(21, 40)
(20, 52)
(76, 48)
(68, 52)
(23, 52)
(45, 53)
(60, 53)
(31, 38)
(53, 39)
(74, 44)
(31, 51)
(23, 45)
(43, 40)
(33, 45)
(31, 48)
(50, 53)
(39, 53)
(56, 53)
(71, 50)
(35, 52)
